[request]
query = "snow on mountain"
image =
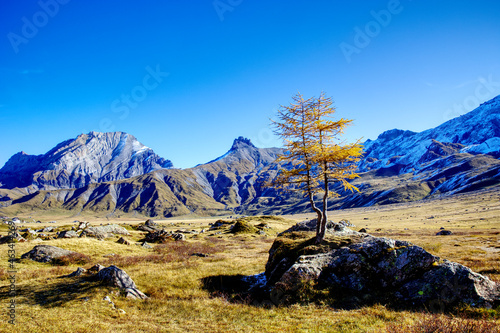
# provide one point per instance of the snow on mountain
(478, 131)
(89, 158)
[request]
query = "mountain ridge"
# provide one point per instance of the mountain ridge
(457, 156)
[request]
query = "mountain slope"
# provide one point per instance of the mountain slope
(89, 158)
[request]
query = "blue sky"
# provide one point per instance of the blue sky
(187, 77)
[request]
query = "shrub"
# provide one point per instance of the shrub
(72, 259)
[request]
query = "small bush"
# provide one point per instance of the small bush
(167, 252)
(72, 259)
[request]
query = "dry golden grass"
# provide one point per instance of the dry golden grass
(172, 277)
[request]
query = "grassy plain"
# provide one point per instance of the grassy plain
(178, 302)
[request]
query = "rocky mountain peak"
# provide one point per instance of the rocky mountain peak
(242, 142)
(88, 158)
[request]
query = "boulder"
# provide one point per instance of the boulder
(79, 271)
(12, 238)
(46, 253)
(310, 225)
(161, 236)
(67, 234)
(151, 223)
(104, 231)
(123, 241)
(146, 245)
(449, 284)
(178, 237)
(444, 233)
(117, 277)
(83, 225)
(96, 268)
(30, 234)
(355, 268)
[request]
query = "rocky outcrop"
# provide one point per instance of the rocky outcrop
(104, 231)
(356, 268)
(46, 253)
(117, 277)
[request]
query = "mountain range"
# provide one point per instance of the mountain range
(113, 174)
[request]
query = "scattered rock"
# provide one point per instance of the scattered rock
(46, 229)
(444, 233)
(346, 223)
(178, 237)
(362, 230)
(163, 236)
(46, 253)
(79, 271)
(151, 223)
(30, 235)
(202, 255)
(117, 277)
(146, 245)
(123, 241)
(12, 238)
(67, 234)
(83, 225)
(96, 268)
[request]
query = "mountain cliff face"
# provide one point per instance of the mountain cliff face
(113, 174)
(90, 158)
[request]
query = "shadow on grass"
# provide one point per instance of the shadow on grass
(55, 293)
(237, 289)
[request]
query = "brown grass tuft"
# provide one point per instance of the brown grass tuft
(444, 324)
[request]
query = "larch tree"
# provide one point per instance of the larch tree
(315, 158)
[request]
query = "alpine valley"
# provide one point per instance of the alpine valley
(113, 174)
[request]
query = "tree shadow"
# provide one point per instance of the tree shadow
(236, 289)
(55, 294)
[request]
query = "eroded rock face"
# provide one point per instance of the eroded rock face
(46, 253)
(117, 277)
(362, 267)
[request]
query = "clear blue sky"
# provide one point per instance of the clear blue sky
(68, 69)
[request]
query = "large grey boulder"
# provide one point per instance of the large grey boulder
(450, 283)
(360, 267)
(67, 234)
(46, 253)
(104, 231)
(331, 228)
(117, 277)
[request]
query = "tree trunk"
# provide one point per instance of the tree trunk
(320, 231)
